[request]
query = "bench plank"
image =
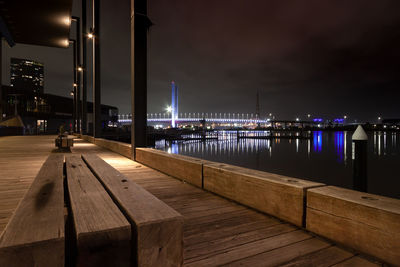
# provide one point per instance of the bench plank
(35, 234)
(159, 228)
(103, 235)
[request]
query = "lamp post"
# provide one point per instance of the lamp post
(74, 85)
(96, 71)
(84, 74)
(77, 72)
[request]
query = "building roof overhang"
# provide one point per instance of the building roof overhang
(40, 22)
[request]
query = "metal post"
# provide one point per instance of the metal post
(74, 86)
(84, 74)
(96, 71)
(1, 78)
(139, 27)
(78, 74)
(359, 156)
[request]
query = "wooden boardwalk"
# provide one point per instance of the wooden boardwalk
(217, 231)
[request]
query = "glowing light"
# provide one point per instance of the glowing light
(66, 21)
(338, 120)
(169, 109)
(75, 85)
(65, 42)
(90, 35)
(80, 69)
(345, 116)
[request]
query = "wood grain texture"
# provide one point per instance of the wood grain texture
(357, 261)
(182, 167)
(283, 254)
(249, 249)
(273, 194)
(35, 234)
(324, 257)
(123, 149)
(159, 228)
(102, 233)
(365, 222)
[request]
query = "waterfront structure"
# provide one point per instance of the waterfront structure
(174, 104)
(27, 74)
(44, 113)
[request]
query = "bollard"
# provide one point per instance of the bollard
(359, 157)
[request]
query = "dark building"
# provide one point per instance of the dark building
(27, 74)
(45, 113)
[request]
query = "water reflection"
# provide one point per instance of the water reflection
(339, 145)
(317, 141)
(325, 157)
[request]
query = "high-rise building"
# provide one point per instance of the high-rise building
(27, 74)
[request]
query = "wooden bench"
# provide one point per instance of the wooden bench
(102, 234)
(158, 229)
(35, 234)
(64, 142)
(111, 221)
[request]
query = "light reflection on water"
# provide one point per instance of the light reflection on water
(325, 157)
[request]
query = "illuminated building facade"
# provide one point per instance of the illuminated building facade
(27, 75)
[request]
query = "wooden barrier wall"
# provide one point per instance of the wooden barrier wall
(365, 222)
(123, 149)
(277, 195)
(182, 167)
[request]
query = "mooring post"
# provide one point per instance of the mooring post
(359, 156)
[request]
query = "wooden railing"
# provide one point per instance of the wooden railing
(365, 222)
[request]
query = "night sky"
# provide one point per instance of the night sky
(327, 58)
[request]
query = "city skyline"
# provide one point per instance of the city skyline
(329, 59)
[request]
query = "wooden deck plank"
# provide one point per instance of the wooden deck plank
(357, 262)
(208, 247)
(248, 249)
(325, 257)
(283, 254)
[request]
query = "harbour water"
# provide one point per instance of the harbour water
(326, 157)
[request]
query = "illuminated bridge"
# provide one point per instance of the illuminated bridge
(224, 121)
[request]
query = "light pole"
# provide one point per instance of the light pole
(96, 71)
(78, 70)
(84, 74)
(74, 67)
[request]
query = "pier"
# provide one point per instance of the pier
(217, 230)
(107, 203)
